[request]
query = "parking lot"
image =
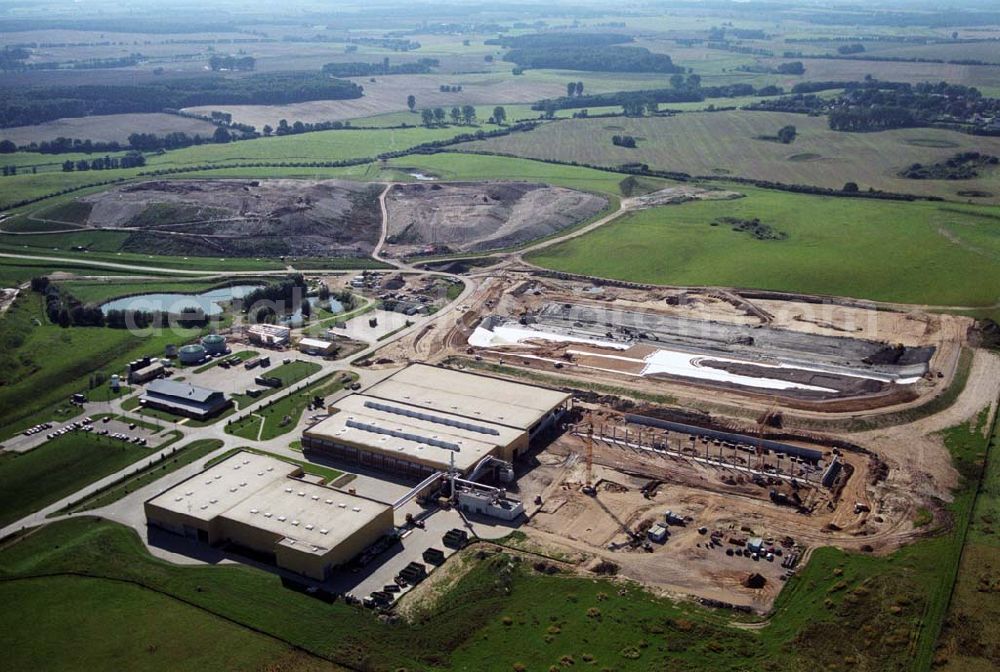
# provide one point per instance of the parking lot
(124, 429)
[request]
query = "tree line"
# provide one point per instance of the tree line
(130, 160)
(682, 90)
(35, 105)
(360, 69)
(66, 310)
(592, 58)
(873, 105)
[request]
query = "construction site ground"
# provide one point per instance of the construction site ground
(893, 472)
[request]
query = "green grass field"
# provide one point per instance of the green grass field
(58, 468)
(922, 253)
(727, 143)
(972, 625)
(127, 627)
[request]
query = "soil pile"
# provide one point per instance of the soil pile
(470, 217)
(242, 217)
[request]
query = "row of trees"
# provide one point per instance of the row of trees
(574, 89)
(683, 89)
(361, 69)
(623, 141)
(129, 160)
(466, 114)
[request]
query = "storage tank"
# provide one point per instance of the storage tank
(214, 344)
(191, 354)
(170, 350)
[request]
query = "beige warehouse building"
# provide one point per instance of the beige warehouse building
(270, 507)
(419, 419)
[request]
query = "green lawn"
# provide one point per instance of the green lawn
(58, 468)
(126, 627)
(909, 252)
(289, 374)
(290, 406)
(181, 457)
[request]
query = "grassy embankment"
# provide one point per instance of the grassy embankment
(58, 468)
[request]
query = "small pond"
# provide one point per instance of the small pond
(208, 301)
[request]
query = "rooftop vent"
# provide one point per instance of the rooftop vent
(288, 489)
(295, 522)
(253, 511)
(267, 514)
(323, 530)
(315, 498)
(310, 526)
(329, 501)
(213, 501)
(282, 518)
(356, 509)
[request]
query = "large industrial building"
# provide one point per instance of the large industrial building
(421, 418)
(184, 399)
(272, 508)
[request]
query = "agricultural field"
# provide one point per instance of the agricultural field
(107, 128)
(940, 253)
(733, 143)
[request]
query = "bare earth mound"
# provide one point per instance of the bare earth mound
(470, 217)
(242, 217)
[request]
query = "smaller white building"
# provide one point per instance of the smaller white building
(316, 346)
(493, 503)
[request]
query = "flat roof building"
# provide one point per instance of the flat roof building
(184, 399)
(421, 418)
(269, 334)
(146, 373)
(263, 504)
(316, 346)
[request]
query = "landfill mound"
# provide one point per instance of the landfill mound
(476, 216)
(242, 217)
